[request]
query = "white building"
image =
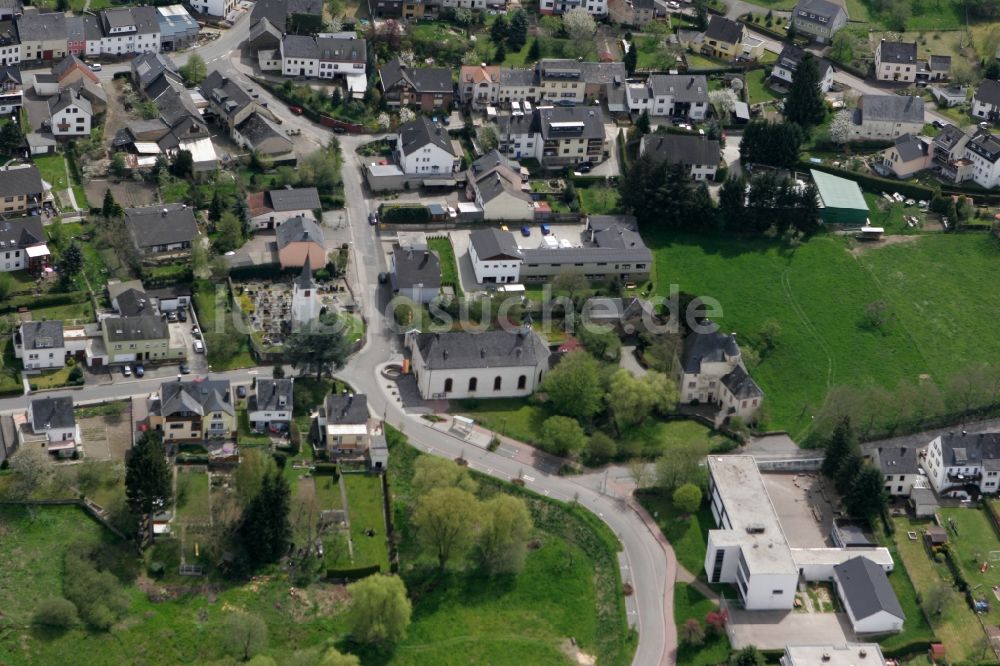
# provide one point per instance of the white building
(868, 597)
(217, 8)
(415, 269)
(900, 466)
(749, 548)
(495, 257)
(699, 155)
(850, 654)
(305, 299)
(957, 461)
(326, 56)
(711, 371)
(788, 62)
(70, 114)
(983, 155)
(270, 405)
(986, 101)
(130, 30)
(499, 187)
(896, 61)
(22, 240)
(673, 95)
(423, 147)
(41, 345)
(268, 210)
(595, 7)
(885, 117)
(54, 418)
(491, 364)
(556, 136)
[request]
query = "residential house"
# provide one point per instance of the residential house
(70, 114)
(818, 19)
(608, 250)
(556, 136)
(83, 35)
(10, 44)
(40, 345)
(963, 464)
(637, 12)
(287, 15)
(711, 371)
(171, 298)
(270, 405)
(491, 364)
(673, 95)
(886, 117)
(423, 147)
(908, 155)
(784, 69)
(626, 316)
(141, 338)
(344, 425)
(848, 654)
(21, 191)
(42, 36)
(499, 187)
(22, 244)
(234, 107)
(10, 89)
(935, 68)
(947, 96)
(300, 239)
(481, 5)
(326, 57)
(177, 29)
(426, 88)
(550, 7)
(214, 8)
(561, 81)
(54, 418)
(868, 597)
(415, 269)
(728, 40)
(11, 9)
(495, 256)
(410, 10)
(71, 73)
(748, 548)
(986, 101)
(193, 410)
(479, 85)
(896, 61)
(699, 156)
(163, 230)
(128, 30)
(268, 210)
(257, 133)
(900, 466)
(982, 157)
(949, 145)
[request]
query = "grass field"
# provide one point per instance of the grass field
(364, 506)
(10, 368)
(690, 603)
(817, 293)
(53, 170)
(757, 87)
(192, 501)
(449, 267)
(53, 378)
(687, 535)
(599, 200)
(215, 314)
(975, 543)
(81, 311)
(511, 417)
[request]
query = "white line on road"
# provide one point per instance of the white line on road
(527, 478)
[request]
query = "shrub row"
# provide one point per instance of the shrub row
(258, 272)
(396, 214)
(874, 182)
(951, 559)
(355, 573)
(43, 301)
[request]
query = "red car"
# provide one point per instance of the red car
(297, 110)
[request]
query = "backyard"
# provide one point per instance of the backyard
(757, 87)
(192, 496)
(688, 535)
(976, 544)
(689, 603)
(817, 293)
(215, 314)
(449, 267)
(364, 509)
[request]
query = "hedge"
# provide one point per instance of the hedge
(33, 301)
(956, 569)
(325, 468)
(908, 649)
(192, 459)
(875, 183)
(394, 214)
(354, 573)
(258, 272)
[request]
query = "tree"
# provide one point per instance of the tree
(200, 261)
(723, 101)
(379, 612)
(517, 31)
(632, 399)
(11, 139)
(88, 476)
(505, 529)
(570, 283)
(110, 207)
(264, 530)
(488, 137)
(692, 632)
(194, 71)
(182, 165)
(230, 233)
(804, 104)
(245, 635)
(71, 262)
(687, 498)
(55, 612)
(498, 31)
(848, 471)
(631, 59)
(642, 123)
(663, 196)
(579, 25)
(866, 497)
(841, 127)
(430, 472)
(574, 385)
(562, 436)
(772, 143)
(748, 656)
(97, 595)
(118, 167)
(332, 657)
(642, 472)
(148, 481)
(501, 54)
(992, 70)
(32, 470)
(317, 351)
(255, 465)
(600, 449)
(936, 597)
(216, 208)
(770, 332)
(680, 465)
(535, 52)
(841, 443)
(441, 529)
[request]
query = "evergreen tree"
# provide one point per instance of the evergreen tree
(517, 31)
(264, 530)
(498, 31)
(535, 52)
(771, 143)
(700, 15)
(804, 104)
(848, 471)
(321, 351)
(216, 208)
(109, 206)
(501, 54)
(11, 139)
(841, 444)
(148, 486)
(732, 202)
(71, 262)
(866, 497)
(642, 123)
(631, 59)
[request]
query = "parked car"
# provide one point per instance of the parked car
(565, 102)
(139, 370)
(195, 332)
(182, 315)
(383, 277)
(339, 130)
(95, 66)
(525, 230)
(127, 370)
(172, 317)
(373, 218)
(297, 110)
(546, 230)
(185, 369)
(199, 348)
(452, 213)
(241, 392)
(585, 167)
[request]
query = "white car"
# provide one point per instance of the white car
(199, 347)
(95, 66)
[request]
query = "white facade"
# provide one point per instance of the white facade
(595, 7)
(656, 97)
(125, 40)
(456, 384)
(949, 465)
(427, 159)
(881, 622)
(275, 218)
(500, 271)
(10, 54)
(304, 306)
(785, 74)
(72, 120)
(982, 108)
(218, 8)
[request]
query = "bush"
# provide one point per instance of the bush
(875, 183)
(398, 214)
(56, 612)
(352, 573)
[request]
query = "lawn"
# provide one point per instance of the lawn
(215, 314)
(688, 535)
(53, 379)
(191, 499)
(696, 61)
(654, 437)
(818, 292)
(599, 200)
(82, 312)
(53, 170)
(690, 603)
(511, 417)
(247, 437)
(449, 267)
(890, 216)
(757, 87)
(976, 543)
(364, 508)
(354, 327)
(10, 368)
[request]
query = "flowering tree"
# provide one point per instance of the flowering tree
(840, 126)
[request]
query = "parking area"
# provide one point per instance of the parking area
(805, 512)
(769, 630)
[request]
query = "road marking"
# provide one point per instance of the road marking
(528, 478)
(545, 492)
(252, 372)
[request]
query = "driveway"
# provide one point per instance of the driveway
(609, 167)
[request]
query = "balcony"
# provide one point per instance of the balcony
(972, 477)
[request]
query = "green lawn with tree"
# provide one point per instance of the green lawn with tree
(364, 507)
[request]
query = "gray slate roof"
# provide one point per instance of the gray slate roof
(340, 49)
(939, 63)
(148, 66)
(225, 93)
(299, 198)
(985, 145)
(52, 412)
(892, 108)
(866, 588)
(198, 397)
(682, 149)
(69, 98)
(162, 224)
(413, 268)
(346, 408)
(910, 147)
(21, 180)
(897, 459)
(709, 347)
(682, 87)
(128, 329)
(741, 385)
(420, 132)
(724, 30)
(489, 349)
(22, 232)
(422, 79)
(42, 334)
(257, 129)
(269, 393)
(988, 92)
(969, 449)
(948, 137)
(792, 55)
(818, 8)
(297, 230)
(901, 53)
(494, 244)
(36, 27)
(279, 11)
